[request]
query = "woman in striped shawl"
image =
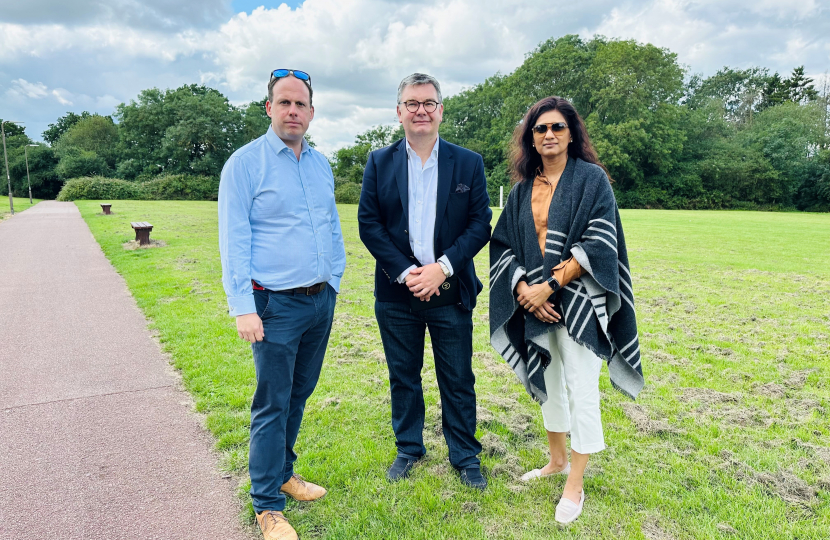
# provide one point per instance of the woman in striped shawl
(561, 300)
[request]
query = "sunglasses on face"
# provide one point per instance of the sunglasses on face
(280, 73)
(558, 128)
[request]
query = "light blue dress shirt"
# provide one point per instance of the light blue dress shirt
(278, 223)
(423, 198)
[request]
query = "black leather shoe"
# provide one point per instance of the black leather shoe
(400, 468)
(472, 477)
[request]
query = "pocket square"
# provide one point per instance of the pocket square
(462, 188)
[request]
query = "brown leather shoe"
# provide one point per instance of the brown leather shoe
(300, 490)
(274, 526)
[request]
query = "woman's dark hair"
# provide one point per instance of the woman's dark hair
(525, 160)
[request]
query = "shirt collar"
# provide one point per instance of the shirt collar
(277, 144)
(434, 154)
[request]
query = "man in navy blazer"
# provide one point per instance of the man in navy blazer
(424, 214)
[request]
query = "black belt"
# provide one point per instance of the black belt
(307, 291)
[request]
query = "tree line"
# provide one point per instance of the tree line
(187, 132)
(741, 138)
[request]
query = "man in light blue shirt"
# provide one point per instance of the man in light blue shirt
(282, 260)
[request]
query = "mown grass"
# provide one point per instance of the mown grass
(20, 204)
(729, 439)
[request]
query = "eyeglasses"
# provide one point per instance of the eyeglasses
(558, 128)
(413, 106)
(302, 75)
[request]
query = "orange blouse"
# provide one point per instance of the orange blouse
(541, 195)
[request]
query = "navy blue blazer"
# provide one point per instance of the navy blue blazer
(462, 217)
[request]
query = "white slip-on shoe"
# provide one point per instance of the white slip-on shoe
(537, 473)
(567, 511)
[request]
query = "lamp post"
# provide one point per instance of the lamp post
(6, 155)
(28, 181)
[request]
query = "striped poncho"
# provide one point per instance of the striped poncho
(597, 308)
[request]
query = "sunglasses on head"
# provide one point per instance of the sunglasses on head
(280, 73)
(557, 127)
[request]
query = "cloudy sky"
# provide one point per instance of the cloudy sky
(75, 55)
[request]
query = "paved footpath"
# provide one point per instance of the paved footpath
(97, 441)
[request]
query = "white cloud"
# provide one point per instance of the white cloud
(709, 34)
(62, 96)
(112, 42)
(358, 50)
(24, 88)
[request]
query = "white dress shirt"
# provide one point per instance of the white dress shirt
(423, 197)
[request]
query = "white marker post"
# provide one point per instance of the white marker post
(501, 196)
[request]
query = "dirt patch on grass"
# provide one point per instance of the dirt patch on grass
(707, 396)
(330, 402)
(667, 358)
(644, 423)
(653, 531)
(132, 245)
(801, 410)
(772, 390)
(821, 452)
(520, 425)
(492, 445)
(730, 415)
(509, 467)
(484, 415)
(723, 352)
(797, 379)
(789, 487)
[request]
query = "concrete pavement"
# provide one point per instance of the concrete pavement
(96, 439)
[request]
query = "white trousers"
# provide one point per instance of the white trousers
(572, 382)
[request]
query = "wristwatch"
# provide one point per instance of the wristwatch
(553, 284)
(444, 268)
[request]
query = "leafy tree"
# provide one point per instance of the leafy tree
(740, 90)
(96, 134)
(54, 131)
(256, 120)
(350, 161)
(76, 162)
(776, 91)
(193, 129)
(44, 179)
(16, 139)
(786, 136)
(801, 87)
(627, 93)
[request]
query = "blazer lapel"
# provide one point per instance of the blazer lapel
(445, 167)
(402, 176)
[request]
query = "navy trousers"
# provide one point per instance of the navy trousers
(288, 362)
(451, 331)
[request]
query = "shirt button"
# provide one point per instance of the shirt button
(417, 221)
(419, 202)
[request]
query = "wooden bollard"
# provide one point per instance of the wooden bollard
(106, 208)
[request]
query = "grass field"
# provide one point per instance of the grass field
(729, 439)
(20, 204)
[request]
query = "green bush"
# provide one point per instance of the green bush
(169, 187)
(182, 187)
(348, 193)
(98, 188)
